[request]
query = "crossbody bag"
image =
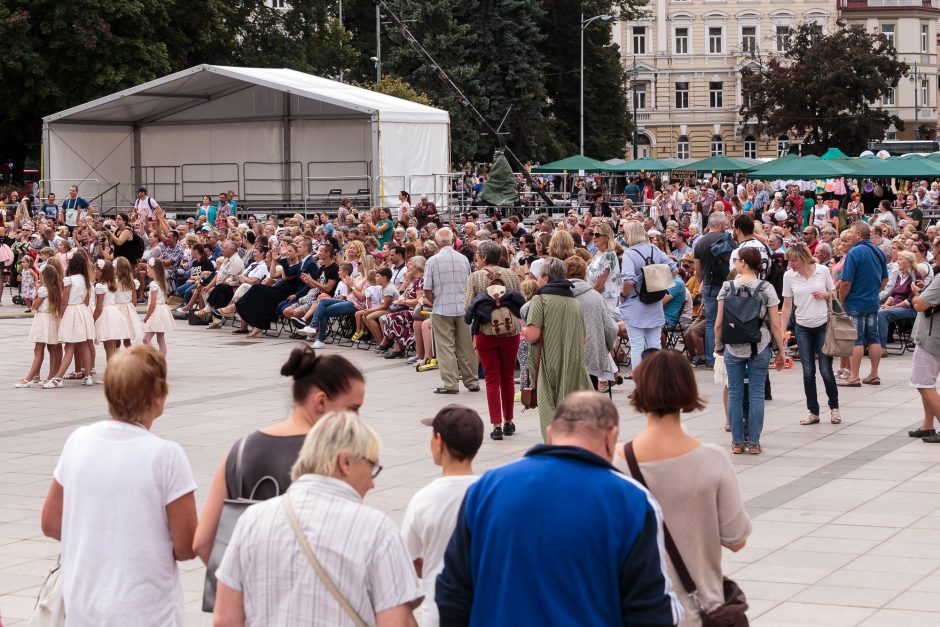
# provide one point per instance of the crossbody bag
(529, 395)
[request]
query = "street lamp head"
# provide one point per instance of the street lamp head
(606, 18)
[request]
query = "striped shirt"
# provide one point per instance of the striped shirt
(359, 548)
(446, 277)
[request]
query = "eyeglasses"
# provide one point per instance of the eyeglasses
(375, 466)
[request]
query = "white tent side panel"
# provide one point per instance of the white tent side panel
(335, 154)
(91, 156)
(209, 156)
(411, 154)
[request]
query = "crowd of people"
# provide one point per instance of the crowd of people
(564, 301)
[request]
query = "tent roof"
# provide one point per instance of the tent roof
(809, 167)
(834, 153)
(901, 168)
(646, 164)
(168, 96)
(574, 163)
(719, 163)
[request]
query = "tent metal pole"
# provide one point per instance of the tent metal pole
(286, 141)
(136, 163)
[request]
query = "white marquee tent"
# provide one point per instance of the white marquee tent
(268, 134)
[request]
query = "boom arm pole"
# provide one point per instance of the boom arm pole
(477, 116)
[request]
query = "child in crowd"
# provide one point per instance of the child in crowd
(389, 294)
(44, 332)
(45, 255)
(124, 299)
(29, 276)
(373, 294)
(522, 355)
(432, 513)
(110, 324)
(76, 325)
(158, 321)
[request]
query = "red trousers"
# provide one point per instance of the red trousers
(498, 357)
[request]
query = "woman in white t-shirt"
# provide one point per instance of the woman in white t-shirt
(807, 289)
(122, 504)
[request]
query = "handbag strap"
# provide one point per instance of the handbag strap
(317, 568)
(538, 350)
(239, 472)
(681, 569)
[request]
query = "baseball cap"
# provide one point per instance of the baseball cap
(460, 427)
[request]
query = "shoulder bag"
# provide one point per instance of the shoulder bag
(315, 564)
(529, 395)
(232, 510)
(50, 606)
(841, 332)
(731, 613)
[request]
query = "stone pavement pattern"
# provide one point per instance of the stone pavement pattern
(846, 517)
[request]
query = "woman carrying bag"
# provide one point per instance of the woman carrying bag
(808, 289)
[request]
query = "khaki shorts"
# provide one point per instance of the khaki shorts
(925, 368)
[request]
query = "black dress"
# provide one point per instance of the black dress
(258, 306)
(263, 456)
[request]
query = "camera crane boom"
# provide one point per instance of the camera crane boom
(474, 113)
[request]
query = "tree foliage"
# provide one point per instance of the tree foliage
(824, 88)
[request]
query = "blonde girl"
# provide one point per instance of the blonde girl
(28, 279)
(125, 300)
(76, 325)
(63, 248)
(44, 332)
(158, 321)
(110, 324)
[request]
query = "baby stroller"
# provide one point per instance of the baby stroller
(10, 279)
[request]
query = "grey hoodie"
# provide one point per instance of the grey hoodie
(601, 328)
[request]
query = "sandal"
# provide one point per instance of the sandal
(629, 375)
(52, 383)
(849, 383)
(870, 380)
(811, 419)
(737, 449)
(754, 449)
(254, 333)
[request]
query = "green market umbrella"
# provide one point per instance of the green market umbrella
(575, 163)
(804, 168)
(719, 164)
(646, 164)
(834, 153)
(900, 168)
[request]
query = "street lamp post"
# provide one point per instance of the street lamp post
(635, 136)
(378, 44)
(915, 78)
(584, 24)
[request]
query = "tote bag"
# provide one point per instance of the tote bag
(50, 606)
(841, 332)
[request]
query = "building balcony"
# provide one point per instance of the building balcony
(888, 5)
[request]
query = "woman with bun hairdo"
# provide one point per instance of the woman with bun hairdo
(322, 384)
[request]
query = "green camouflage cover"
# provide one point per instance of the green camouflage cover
(500, 188)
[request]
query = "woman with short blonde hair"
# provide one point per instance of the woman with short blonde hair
(334, 434)
(561, 246)
(634, 233)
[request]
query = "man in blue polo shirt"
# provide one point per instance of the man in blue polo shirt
(559, 537)
(864, 275)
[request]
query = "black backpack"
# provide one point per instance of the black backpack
(742, 321)
(721, 258)
(138, 247)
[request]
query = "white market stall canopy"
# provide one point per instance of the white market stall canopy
(271, 135)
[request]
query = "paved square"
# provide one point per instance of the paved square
(846, 517)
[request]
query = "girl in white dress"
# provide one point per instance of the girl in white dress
(110, 324)
(76, 325)
(44, 332)
(159, 319)
(126, 298)
(90, 351)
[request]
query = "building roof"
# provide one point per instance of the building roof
(169, 97)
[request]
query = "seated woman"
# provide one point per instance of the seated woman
(258, 307)
(399, 323)
(254, 273)
(348, 298)
(897, 306)
(321, 287)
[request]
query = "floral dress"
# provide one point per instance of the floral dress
(28, 284)
(607, 261)
(397, 325)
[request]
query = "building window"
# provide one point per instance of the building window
(717, 146)
(748, 39)
(715, 95)
(783, 145)
(639, 40)
(924, 92)
(816, 29)
(888, 31)
(888, 99)
(750, 147)
(279, 4)
(682, 41)
(640, 95)
(783, 38)
(682, 148)
(891, 136)
(924, 38)
(682, 95)
(714, 39)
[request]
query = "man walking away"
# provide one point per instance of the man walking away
(590, 558)
(711, 270)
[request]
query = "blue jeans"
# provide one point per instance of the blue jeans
(810, 341)
(329, 308)
(757, 369)
(887, 316)
(185, 291)
(710, 304)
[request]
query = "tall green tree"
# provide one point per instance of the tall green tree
(825, 88)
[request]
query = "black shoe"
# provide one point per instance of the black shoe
(445, 391)
(497, 433)
(932, 439)
(509, 428)
(921, 433)
(394, 354)
(476, 389)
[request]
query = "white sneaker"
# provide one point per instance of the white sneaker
(317, 345)
(308, 330)
(88, 381)
(411, 361)
(420, 362)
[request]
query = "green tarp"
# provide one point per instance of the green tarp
(804, 168)
(574, 163)
(834, 153)
(500, 187)
(900, 168)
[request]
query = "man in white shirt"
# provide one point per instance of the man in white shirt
(432, 513)
(144, 205)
